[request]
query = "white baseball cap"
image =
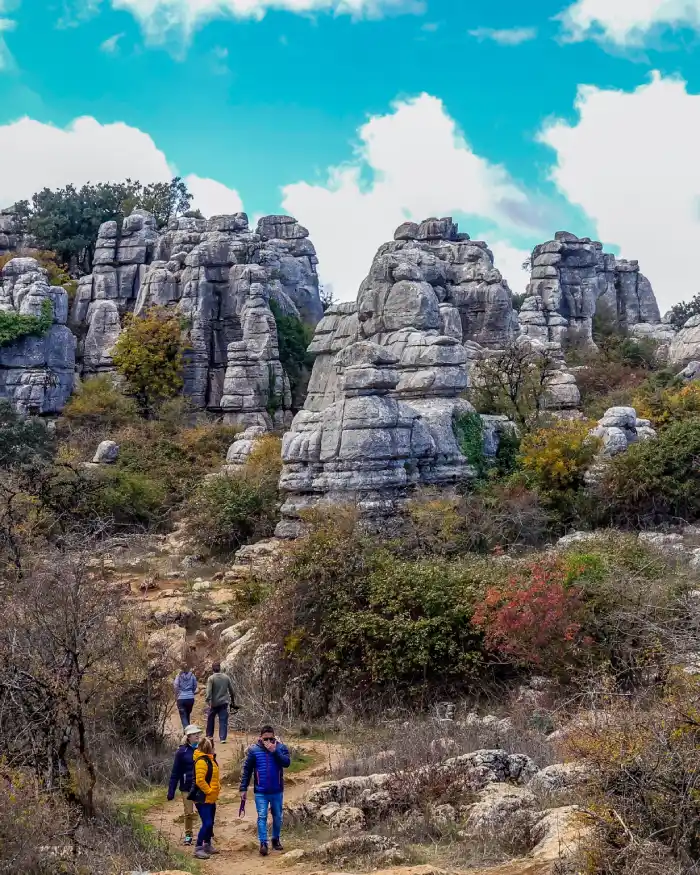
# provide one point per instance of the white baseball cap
(192, 729)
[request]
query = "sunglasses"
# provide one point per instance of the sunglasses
(268, 738)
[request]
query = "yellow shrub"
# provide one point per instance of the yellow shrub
(669, 405)
(265, 461)
(557, 457)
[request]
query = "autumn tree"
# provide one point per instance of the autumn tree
(513, 382)
(149, 355)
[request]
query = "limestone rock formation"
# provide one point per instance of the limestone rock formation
(619, 428)
(221, 277)
(571, 278)
(36, 372)
(106, 453)
(389, 372)
(685, 347)
(10, 235)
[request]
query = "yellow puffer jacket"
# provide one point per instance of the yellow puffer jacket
(213, 788)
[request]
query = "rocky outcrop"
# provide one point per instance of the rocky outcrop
(221, 277)
(620, 428)
(571, 279)
(389, 373)
(10, 233)
(36, 371)
(685, 347)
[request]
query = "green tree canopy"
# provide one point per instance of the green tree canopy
(67, 220)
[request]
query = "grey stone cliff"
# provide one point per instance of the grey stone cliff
(570, 279)
(685, 346)
(220, 277)
(36, 372)
(389, 374)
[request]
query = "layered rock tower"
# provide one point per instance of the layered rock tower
(219, 275)
(390, 369)
(571, 278)
(36, 372)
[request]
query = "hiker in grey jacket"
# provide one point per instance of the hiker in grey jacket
(220, 696)
(185, 686)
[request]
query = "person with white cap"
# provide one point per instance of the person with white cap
(182, 775)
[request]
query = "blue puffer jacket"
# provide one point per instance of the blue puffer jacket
(268, 768)
(182, 774)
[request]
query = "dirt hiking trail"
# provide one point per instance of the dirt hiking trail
(236, 837)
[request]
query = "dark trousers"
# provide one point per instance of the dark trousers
(220, 711)
(207, 813)
(184, 709)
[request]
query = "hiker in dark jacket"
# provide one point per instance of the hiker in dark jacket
(220, 696)
(185, 686)
(182, 775)
(266, 761)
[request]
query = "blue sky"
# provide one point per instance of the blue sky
(519, 119)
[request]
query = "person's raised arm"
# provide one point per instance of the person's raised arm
(282, 754)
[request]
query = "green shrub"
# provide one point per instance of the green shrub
(495, 516)
(294, 338)
(229, 511)
(655, 480)
(149, 354)
(469, 431)
(14, 327)
(129, 498)
(356, 619)
(98, 402)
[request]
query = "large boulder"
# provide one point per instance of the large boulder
(37, 372)
(686, 345)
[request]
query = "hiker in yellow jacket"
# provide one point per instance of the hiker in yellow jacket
(205, 792)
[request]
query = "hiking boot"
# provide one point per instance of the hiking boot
(222, 741)
(263, 849)
(210, 849)
(188, 840)
(201, 854)
(277, 845)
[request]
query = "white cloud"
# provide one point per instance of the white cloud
(6, 59)
(627, 22)
(38, 155)
(509, 260)
(111, 45)
(158, 17)
(213, 198)
(420, 165)
(631, 162)
(512, 36)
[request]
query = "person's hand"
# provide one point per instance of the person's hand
(270, 745)
(244, 796)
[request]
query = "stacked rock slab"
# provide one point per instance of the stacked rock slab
(220, 277)
(571, 278)
(389, 372)
(10, 235)
(472, 299)
(620, 428)
(36, 372)
(685, 346)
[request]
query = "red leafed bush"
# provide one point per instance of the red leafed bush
(536, 618)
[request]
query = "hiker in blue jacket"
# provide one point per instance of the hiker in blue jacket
(266, 760)
(182, 775)
(185, 686)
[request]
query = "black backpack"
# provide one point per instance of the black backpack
(196, 794)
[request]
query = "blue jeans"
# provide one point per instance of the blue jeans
(220, 711)
(184, 709)
(207, 813)
(274, 800)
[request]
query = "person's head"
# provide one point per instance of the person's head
(193, 735)
(216, 667)
(267, 733)
(206, 745)
(184, 668)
